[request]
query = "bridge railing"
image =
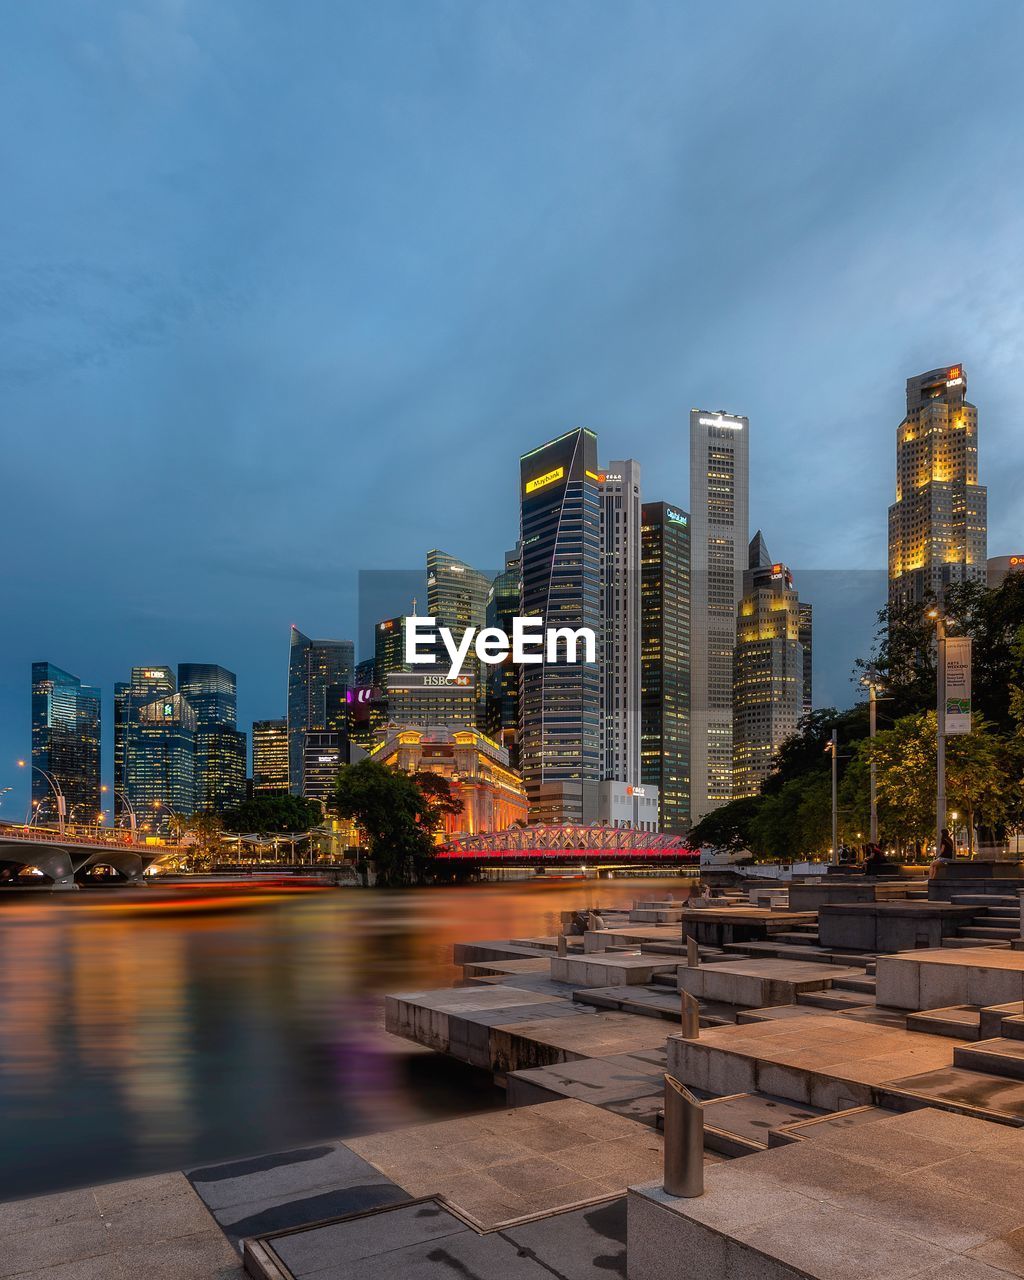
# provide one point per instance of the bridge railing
(46, 835)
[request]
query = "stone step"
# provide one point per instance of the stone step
(999, 1057)
(1000, 913)
(974, 942)
(871, 967)
(834, 999)
(1013, 1027)
(984, 900)
(856, 984)
(796, 939)
(959, 1021)
(993, 1016)
(998, 933)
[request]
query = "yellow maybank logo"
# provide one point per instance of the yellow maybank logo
(549, 477)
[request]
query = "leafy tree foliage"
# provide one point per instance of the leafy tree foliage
(274, 813)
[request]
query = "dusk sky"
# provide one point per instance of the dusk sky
(287, 289)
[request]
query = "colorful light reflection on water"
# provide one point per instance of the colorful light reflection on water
(133, 1039)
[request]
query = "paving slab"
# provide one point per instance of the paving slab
(757, 983)
(609, 969)
(891, 1200)
(600, 1081)
(586, 1244)
(548, 1041)
(504, 1167)
(937, 978)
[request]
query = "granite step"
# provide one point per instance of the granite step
(999, 1057)
(1013, 1027)
(985, 900)
(834, 999)
(792, 938)
(974, 942)
(998, 933)
(994, 1015)
(959, 1021)
(866, 983)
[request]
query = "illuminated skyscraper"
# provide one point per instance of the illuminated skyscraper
(270, 755)
(620, 641)
(719, 482)
(211, 692)
(65, 745)
(561, 737)
(771, 688)
(665, 662)
(938, 525)
(502, 715)
(146, 684)
(319, 674)
(160, 754)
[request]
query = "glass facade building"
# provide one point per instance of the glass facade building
(502, 679)
(665, 662)
(160, 754)
(320, 672)
(146, 684)
(211, 691)
(560, 704)
(65, 744)
(270, 755)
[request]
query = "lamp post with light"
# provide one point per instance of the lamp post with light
(55, 787)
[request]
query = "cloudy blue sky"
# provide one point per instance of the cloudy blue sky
(286, 289)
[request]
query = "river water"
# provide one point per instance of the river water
(137, 1036)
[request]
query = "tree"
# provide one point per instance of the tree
(394, 814)
(728, 826)
(276, 813)
(204, 832)
(437, 793)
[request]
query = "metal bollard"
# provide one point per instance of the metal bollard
(684, 1141)
(563, 945)
(692, 953)
(689, 1014)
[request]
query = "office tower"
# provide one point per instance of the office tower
(432, 699)
(938, 525)
(456, 592)
(366, 673)
(211, 692)
(65, 745)
(146, 685)
(665, 662)
(998, 568)
(502, 678)
(319, 674)
(806, 640)
(270, 755)
(389, 649)
(771, 668)
(719, 482)
(619, 489)
(560, 703)
(320, 764)
(160, 753)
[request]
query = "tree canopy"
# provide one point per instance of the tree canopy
(274, 813)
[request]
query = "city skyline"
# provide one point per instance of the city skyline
(568, 257)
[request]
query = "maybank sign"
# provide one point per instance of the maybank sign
(529, 642)
(549, 477)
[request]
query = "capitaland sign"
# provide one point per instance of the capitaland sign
(541, 482)
(720, 420)
(529, 642)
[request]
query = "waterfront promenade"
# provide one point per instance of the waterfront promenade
(863, 1113)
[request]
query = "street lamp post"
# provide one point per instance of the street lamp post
(833, 748)
(55, 787)
(940, 727)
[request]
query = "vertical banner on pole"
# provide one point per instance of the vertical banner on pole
(958, 685)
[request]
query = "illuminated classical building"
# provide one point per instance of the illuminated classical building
(665, 661)
(477, 768)
(772, 673)
(938, 525)
(719, 485)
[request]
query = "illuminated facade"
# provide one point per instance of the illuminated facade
(457, 598)
(146, 684)
(65, 744)
(160, 748)
(938, 525)
(502, 698)
(424, 698)
(719, 531)
(665, 661)
(560, 704)
(619, 488)
(270, 755)
(476, 767)
(772, 674)
(998, 569)
(212, 693)
(320, 673)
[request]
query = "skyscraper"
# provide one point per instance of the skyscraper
(160, 754)
(319, 674)
(211, 692)
(665, 662)
(389, 649)
(620, 642)
(65, 745)
(502, 714)
(938, 525)
(146, 684)
(457, 598)
(771, 669)
(719, 483)
(270, 755)
(561, 736)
